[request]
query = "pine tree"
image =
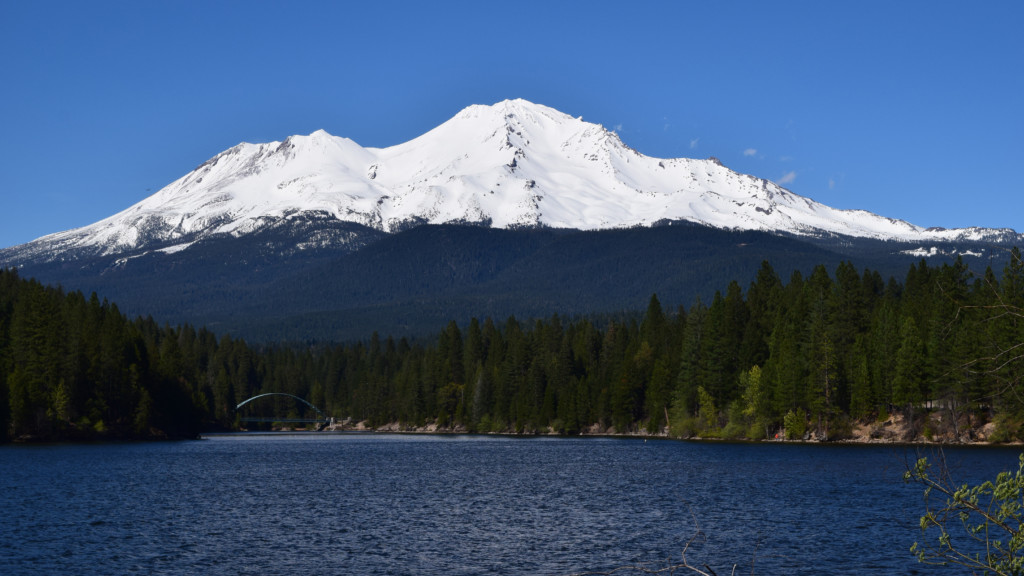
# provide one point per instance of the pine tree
(756, 403)
(691, 366)
(862, 391)
(910, 360)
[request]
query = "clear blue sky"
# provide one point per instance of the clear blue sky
(912, 110)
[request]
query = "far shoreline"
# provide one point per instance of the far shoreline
(892, 432)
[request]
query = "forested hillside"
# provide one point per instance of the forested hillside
(76, 368)
(411, 283)
(808, 355)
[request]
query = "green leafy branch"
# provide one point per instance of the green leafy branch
(978, 527)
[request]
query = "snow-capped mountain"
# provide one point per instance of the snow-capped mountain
(513, 164)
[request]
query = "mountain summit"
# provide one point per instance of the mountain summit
(510, 165)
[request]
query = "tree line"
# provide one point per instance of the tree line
(809, 356)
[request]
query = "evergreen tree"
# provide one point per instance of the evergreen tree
(910, 360)
(756, 403)
(822, 348)
(692, 363)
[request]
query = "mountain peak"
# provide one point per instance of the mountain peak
(514, 163)
(514, 110)
(320, 134)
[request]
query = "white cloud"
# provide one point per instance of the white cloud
(693, 143)
(750, 152)
(787, 178)
(617, 128)
(836, 181)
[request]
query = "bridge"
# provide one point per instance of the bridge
(321, 419)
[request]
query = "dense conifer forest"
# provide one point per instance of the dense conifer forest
(805, 357)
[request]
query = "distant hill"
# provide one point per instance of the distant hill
(411, 282)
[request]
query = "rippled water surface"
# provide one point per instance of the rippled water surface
(390, 504)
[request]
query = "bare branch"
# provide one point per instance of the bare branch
(672, 569)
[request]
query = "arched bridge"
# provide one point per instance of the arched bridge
(321, 419)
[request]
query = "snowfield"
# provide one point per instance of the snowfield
(511, 164)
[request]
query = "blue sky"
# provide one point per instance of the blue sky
(912, 110)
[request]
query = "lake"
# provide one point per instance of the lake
(461, 505)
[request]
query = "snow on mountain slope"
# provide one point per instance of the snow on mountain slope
(511, 164)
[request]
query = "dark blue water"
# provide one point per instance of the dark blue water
(379, 504)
